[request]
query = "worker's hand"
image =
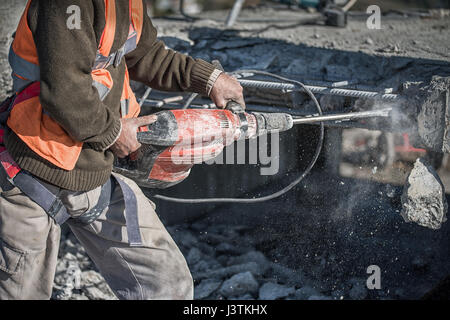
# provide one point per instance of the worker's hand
(225, 89)
(127, 142)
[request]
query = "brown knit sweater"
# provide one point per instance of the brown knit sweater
(67, 95)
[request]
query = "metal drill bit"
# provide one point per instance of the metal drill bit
(344, 116)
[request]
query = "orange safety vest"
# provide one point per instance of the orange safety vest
(29, 121)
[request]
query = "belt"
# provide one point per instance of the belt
(55, 208)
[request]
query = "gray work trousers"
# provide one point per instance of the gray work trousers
(29, 243)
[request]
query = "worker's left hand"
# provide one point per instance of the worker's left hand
(225, 89)
(127, 142)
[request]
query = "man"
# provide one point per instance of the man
(73, 111)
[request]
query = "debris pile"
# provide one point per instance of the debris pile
(76, 275)
(224, 264)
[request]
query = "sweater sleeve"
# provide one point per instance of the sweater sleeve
(165, 69)
(66, 56)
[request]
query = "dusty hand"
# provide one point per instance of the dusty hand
(225, 89)
(127, 142)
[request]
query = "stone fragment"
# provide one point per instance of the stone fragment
(236, 43)
(274, 291)
(251, 256)
(206, 288)
(423, 198)
(239, 284)
(94, 293)
(221, 273)
(320, 297)
(305, 292)
(193, 256)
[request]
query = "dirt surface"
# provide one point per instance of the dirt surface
(413, 37)
(317, 241)
(10, 12)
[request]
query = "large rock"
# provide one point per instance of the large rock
(274, 291)
(423, 198)
(239, 284)
(431, 102)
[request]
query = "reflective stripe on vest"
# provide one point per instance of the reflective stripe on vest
(28, 119)
(24, 72)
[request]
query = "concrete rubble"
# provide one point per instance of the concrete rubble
(423, 198)
(235, 274)
(431, 101)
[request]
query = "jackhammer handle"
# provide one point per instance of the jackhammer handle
(234, 107)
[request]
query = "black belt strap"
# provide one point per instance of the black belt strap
(56, 209)
(42, 196)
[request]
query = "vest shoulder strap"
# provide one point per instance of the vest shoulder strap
(109, 32)
(136, 8)
(137, 16)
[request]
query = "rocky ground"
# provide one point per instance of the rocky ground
(304, 245)
(317, 241)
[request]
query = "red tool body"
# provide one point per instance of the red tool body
(178, 139)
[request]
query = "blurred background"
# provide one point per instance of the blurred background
(163, 7)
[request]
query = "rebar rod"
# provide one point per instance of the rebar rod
(317, 89)
(234, 13)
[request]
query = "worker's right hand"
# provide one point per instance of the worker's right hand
(127, 142)
(226, 89)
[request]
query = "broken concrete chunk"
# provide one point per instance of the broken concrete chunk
(236, 43)
(206, 288)
(239, 284)
(251, 256)
(320, 297)
(286, 275)
(193, 256)
(431, 102)
(274, 291)
(221, 273)
(94, 293)
(305, 292)
(176, 43)
(423, 198)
